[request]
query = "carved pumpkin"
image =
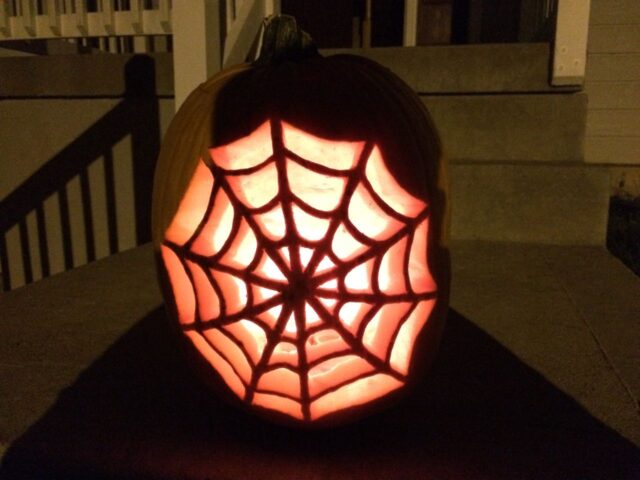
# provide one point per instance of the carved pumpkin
(299, 225)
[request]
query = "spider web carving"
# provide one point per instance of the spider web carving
(299, 270)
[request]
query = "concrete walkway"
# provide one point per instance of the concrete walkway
(570, 313)
(537, 377)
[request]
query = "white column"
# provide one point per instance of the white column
(570, 45)
(410, 36)
(196, 44)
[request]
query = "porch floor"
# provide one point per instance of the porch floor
(537, 377)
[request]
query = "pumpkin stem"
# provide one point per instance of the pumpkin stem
(283, 40)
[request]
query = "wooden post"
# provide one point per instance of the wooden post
(410, 35)
(570, 43)
(366, 25)
(197, 53)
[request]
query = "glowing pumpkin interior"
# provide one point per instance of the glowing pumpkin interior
(299, 271)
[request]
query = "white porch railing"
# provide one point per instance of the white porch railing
(46, 19)
(204, 42)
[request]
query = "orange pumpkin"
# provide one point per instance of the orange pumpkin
(299, 220)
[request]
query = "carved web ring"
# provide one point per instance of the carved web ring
(299, 270)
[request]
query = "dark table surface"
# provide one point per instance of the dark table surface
(94, 385)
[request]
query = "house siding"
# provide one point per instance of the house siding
(613, 85)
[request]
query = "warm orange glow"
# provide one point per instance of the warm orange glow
(192, 207)
(359, 391)
(243, 249)
(246, 152)
(290, 327)
(272, 224)
(367, 216)
(311, 317)
(337, 155)
(268, 270)
(402, 348)
(299, 271)
(217, 228)
(255, 190)
(182, 290)
(285, 352)
(235, 291)
(336, 371)
(308, 226)
(391, 263)
(377, 335)
(323, 343)
(344, 245)
(352, 314)
(231, 352)
(208, 300)
(271, 316)
(252, 337)
(386, 187)
(360, 278)
(319, 190)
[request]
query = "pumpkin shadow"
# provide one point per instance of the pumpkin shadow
(138, 412)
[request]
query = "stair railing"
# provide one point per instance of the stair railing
(570, 42)
(49, 223)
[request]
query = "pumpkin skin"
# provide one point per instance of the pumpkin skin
(341, 98)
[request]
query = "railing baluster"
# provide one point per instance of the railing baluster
(5, 28)
(28, 17)
(55, 241)
(65, 224)
(34, 248)
(14, 256)
(195, 57)
(76, 218)
(4, 263)
(230, 13)
(107, 16)
(165, 15)
(99, 207)
(26, 251)
(53, 15)
(410, 34)
(81, 17)
(42, 241)
(87, 215)
(110, 194)
(135, 15)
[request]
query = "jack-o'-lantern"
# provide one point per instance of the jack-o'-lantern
(300, 229)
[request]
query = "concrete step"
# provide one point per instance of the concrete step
(531, 203)
(521, 127)
(516, 144)
(87, 76)
(486, 68)
(500, 68)
(538, 363)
